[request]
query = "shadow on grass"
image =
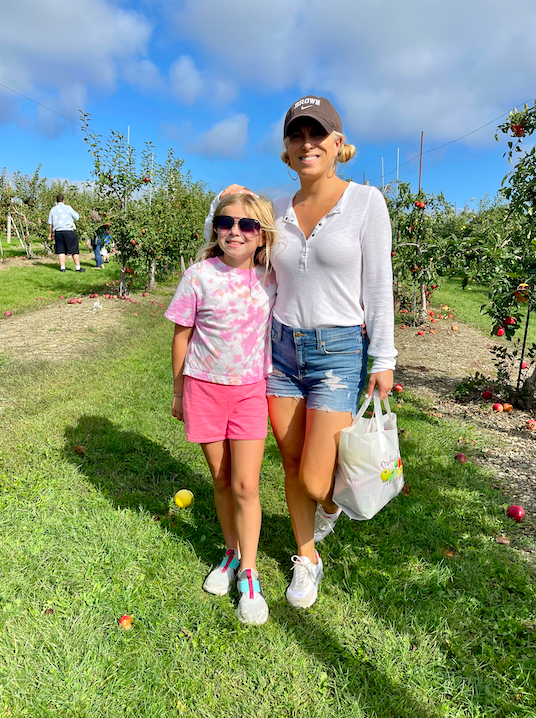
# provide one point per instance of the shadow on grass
(134, 472)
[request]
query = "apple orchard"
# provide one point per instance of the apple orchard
(156, 211)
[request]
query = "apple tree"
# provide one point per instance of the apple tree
(512, 279)
(418, 246)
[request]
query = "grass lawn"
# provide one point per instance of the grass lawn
(422, 614)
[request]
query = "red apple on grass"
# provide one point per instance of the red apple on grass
(420, 333)
(398, 388)
(125, 622)
(515, 512)
(462, 458)
(8, 314)
(497, 407)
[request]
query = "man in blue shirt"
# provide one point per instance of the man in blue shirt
(61, 221)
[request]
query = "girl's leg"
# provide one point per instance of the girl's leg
(246, 459)
(218, 458)
(289, 419)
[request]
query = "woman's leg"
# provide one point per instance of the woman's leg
(319, 457)
(218, 458)
(289, 419)
(246, 459)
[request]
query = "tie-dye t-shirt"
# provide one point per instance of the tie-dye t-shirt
(230, 310)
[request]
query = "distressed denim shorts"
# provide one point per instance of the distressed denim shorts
(327, 367)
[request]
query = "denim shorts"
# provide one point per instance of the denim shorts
(327, 367)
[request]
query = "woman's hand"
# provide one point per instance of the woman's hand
(236, 189)
(176, 408)
(381, 380)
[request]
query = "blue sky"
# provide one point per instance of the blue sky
(213, 80)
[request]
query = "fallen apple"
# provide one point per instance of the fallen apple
(507, 407)
(454, 328)
(487, 394)
(62, 297)
(398, 388)
(524, 365)
(462, 458)
(79, 301)
(441, 316)
(420, 333)
(145, 294)
(183, 498)
(404, 326)
(38, 299)
(432, 331)
(451, 316)
(498, 408)
(515, 512)
(126, 622)
(531, 424)
(8, 314)
(432, 314)
(433, 320)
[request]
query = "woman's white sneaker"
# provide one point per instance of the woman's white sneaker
(220, 579)
(303, 589)
(324, 522)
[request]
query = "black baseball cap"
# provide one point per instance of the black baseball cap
(317, 108)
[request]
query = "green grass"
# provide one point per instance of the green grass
(421, 613)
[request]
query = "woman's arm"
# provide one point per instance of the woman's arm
(179, 345)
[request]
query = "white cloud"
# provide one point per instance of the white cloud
(55, 53)
(392, 68)
(144, 74)
(227, 139)
(186, 80)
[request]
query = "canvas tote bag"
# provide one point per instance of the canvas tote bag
(369, 470)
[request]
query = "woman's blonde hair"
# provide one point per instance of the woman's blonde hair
(346, 151)
(257, 207)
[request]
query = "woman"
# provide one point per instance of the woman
(333, 271)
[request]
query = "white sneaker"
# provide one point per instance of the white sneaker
(252, 608)
(303, 589)
(324, 522)
(220, 580)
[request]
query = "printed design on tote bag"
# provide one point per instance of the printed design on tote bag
(391, 469)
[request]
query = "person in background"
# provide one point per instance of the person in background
(61, 222)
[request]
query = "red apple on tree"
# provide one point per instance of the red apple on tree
(500, 331)
(509, 321)
(487, 394)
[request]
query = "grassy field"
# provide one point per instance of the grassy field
(422, 614)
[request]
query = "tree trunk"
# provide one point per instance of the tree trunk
(151, 284)
(423, 312)
(123, 289)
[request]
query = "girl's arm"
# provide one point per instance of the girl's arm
(179, 345)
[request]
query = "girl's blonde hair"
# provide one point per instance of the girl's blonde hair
(257, 207)
(346, 151)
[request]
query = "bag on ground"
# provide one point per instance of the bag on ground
(369, 470)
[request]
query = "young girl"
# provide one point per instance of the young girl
(221, 357)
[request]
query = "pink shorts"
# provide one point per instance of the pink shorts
(214, 412)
